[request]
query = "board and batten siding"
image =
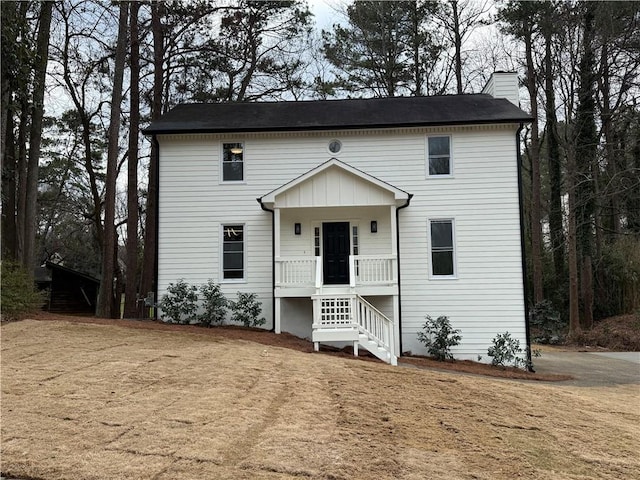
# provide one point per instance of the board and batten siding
(481, 197)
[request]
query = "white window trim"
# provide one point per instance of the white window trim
(426, 146)
(430, 251)
(244, 162)
(244, 254)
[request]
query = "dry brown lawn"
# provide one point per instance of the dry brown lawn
(91, 401)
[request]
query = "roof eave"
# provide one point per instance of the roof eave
(204, 130)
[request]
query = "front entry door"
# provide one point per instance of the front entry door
(335, 241)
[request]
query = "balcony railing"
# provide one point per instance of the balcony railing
(373, 269)
(295, 271)
(364, 270)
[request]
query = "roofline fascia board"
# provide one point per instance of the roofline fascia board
(174, 131)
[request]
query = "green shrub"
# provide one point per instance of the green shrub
(547, 326)
(506, 351)
(179, 305)
(19, 295)
(214, 305)
(247, 310)
(438, 336)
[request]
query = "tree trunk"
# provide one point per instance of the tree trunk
(572, 247)
(147, 280)
(131, 291)
(586, 145)
(556, 230)
(9, 14)
(415, 49)
(35, 137)
(457, 40)
(632, 202)
(9, 191)
(536, 228)
(21, 173)
(586, 287)
(106, 296)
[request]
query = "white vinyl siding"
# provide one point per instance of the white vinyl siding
(191, 208)
(487, 297)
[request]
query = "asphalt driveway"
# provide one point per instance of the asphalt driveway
(592, 369)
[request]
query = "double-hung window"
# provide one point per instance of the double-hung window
(233, 264)
(443, 259)
(439, 156)
(232, 162)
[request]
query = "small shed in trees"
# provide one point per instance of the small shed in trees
(69, 291)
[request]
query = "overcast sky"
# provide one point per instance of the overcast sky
(325, 12)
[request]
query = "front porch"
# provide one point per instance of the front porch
(335, 243)
(368, 275)
(340, 312)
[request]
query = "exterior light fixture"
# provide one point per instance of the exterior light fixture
(374, 226)
(297, 229)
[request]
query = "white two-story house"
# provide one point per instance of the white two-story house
(352, 219)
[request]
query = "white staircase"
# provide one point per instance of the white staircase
(347, 317)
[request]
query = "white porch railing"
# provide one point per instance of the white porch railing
(333, 311)
(363, 270)
(350, 318)
(373, 323)
(295, 271)
(374, 269)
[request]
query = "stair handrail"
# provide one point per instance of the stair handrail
(385, 323)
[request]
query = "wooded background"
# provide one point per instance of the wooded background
(79, 78)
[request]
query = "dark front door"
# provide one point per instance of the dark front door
(335, 241)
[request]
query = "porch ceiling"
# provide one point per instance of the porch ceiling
(334, 184)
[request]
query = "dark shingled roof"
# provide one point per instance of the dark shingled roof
(337, 114)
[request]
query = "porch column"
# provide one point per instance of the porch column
(276, 252)
(276, 231)
(396, 327)
(394, 230)
(276, 321)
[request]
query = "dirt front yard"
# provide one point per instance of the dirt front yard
(92, 401)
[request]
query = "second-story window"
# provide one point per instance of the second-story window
(232, 162)
(439, 155)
